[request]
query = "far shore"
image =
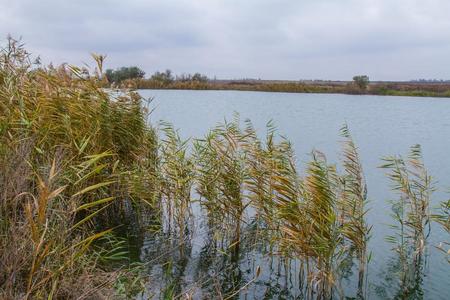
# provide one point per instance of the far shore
(413, 89)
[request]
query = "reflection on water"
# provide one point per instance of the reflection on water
(209, 268)
(400, 282)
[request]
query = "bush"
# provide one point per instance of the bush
(362, 81)
(124, 73)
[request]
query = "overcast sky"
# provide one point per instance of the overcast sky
(269, 39)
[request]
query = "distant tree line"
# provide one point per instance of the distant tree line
(134, 76)
(194, 77)
(431, 80)
(165, 77)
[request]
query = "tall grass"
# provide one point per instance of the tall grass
(220, 179)
(412, 215)
(310, 227)
(75, 163)
(318, 219)
(353, 206)
(412, 210)
(177, 175)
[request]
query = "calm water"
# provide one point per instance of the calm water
(380, 126)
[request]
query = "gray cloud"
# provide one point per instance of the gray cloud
(291, 39)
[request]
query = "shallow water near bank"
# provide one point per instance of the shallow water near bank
(380, 126)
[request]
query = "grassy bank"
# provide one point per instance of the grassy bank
(378, 88)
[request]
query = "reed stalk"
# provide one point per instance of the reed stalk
(412, 213)
(220, 179)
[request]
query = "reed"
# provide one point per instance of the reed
(220, 179)
(412, 215)
(317, 219)
(73, 158)
(272, 175)
(353, 206)
(412, 211)
(177, 175)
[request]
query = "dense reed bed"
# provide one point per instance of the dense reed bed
(81, 165)
(256, 203)
(317, 219)
(76, 165)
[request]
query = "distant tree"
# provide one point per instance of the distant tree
(163, 77)
(362, 81)
(183, 77)
(124, 73)
(199, 77)
(110, 75)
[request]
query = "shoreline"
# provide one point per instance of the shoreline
(432, 90)
(393, 94)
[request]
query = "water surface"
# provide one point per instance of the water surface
(379, 125)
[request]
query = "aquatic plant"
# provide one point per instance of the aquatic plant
(412, 211)
(177, 175)
(220, 178)
(353, 205)
(271, 173)
(412, 214)
(312, 218)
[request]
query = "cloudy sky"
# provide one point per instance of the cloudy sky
(269, 39)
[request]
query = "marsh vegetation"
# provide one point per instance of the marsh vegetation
(86, 181)
(76, 165)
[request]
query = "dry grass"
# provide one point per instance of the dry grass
(75, 163)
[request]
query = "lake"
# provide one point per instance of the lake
(380, 126)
